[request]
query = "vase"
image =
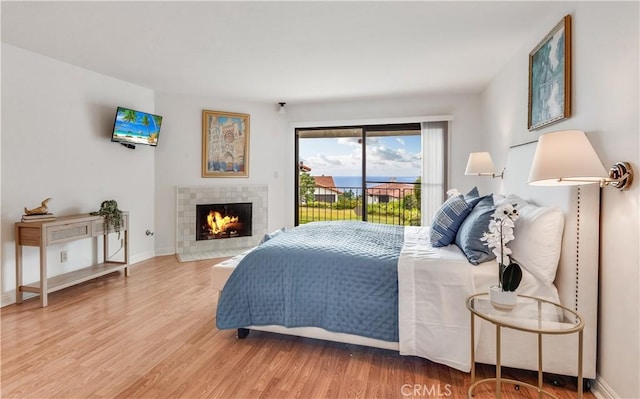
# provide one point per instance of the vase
(502, 300)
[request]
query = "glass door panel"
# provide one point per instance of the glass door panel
(393, 170)
(329, 175)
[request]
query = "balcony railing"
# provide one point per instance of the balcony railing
(379, 204)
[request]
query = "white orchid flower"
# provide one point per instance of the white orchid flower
(500, 232)
(507, 235)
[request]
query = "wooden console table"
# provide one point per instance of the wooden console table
(65, 229)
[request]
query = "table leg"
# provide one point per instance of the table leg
(44, 289)
(498, 368)
(105, 247)
(580, 342)
(43, 278)
(18, 267)
(126, 251)
(473, 354)
(539, 365)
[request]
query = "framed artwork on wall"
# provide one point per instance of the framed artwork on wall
(225, 144)
(550, 77)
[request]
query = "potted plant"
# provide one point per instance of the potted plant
(111, 214)
(503, 296)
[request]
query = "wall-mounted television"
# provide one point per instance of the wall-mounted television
(133, 127)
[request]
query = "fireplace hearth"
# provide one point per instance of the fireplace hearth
(220, 221)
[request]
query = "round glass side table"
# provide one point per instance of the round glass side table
(533, 315)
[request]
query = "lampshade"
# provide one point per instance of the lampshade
(565, 158)
(479, 163)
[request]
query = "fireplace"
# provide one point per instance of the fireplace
(218, 221)
(187, 199)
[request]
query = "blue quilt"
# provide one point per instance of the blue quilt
(341, 276)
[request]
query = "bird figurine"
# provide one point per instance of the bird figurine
(41, 210)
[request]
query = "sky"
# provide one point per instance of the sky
(386, 156)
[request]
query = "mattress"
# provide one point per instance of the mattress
(432, 296)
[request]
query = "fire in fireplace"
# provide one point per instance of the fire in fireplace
(215, 221)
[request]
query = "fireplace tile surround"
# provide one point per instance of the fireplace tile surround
(187, 248)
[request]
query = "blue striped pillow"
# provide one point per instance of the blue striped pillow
(448, 219)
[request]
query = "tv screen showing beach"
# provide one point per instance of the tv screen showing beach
(136, 127)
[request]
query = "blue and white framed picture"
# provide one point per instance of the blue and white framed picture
(550, 77)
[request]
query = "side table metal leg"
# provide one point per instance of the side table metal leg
(498, 368)
(539, 365)
(580, 386)
(473, 354)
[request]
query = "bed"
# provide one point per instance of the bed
(432, 285)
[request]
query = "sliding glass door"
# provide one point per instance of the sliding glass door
(371, 173)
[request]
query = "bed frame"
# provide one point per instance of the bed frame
(576, 280)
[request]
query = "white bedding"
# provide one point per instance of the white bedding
(433, 285)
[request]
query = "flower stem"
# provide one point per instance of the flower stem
(500, 268)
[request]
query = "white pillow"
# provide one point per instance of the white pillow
(538, 238)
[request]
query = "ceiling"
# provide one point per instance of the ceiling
(296, 52)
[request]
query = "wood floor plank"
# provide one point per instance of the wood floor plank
(153, 335)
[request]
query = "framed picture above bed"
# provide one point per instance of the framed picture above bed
(550, 77)
(225, 144)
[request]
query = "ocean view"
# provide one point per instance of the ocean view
(355, 181)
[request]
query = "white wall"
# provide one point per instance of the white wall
(178, 159)
(605, 105)
(56, 123)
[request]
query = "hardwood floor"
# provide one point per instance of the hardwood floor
(153, 335)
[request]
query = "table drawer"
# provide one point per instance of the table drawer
(68, 232)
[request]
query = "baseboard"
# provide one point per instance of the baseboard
(602, 390)
(140, 257)
(165, 251)
(9, 297)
